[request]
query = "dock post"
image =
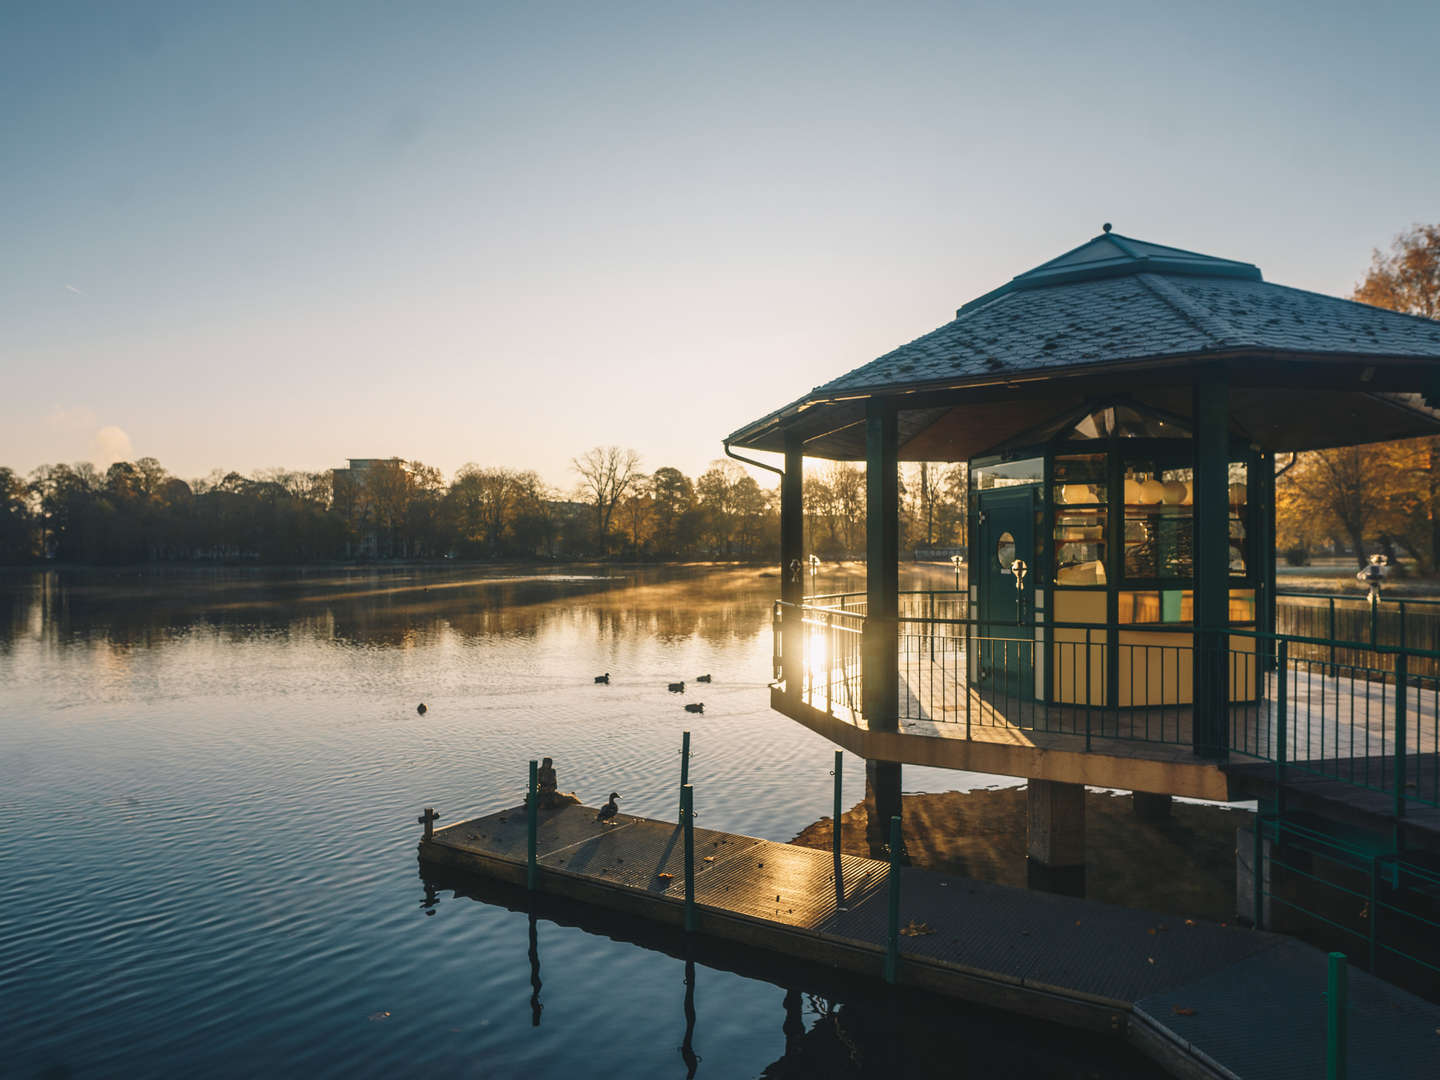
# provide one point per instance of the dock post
(1400, 735)
(1282, 712)
(687, 818)
(838, 773)
(892, 951)
(1336, 1050)
(532, 806)
(684, 766)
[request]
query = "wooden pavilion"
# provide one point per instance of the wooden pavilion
(1120, 408)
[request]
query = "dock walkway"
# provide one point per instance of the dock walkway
(1202, 999)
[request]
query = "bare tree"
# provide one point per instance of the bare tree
(607, 473)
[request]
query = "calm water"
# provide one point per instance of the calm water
(208, 792)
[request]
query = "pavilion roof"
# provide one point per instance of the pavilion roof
(1114, 302)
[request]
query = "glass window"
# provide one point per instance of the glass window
(1242, 605)
(1080, 547)
(1127, 422)
(1239, 507)
(1157, 606)
(1080, 479)
(1159, 538)
(1010, 474)
(1005, 551)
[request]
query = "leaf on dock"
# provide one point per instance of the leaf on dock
(1180, 1010)
(665, 877)
(916, 929)
(709, 858)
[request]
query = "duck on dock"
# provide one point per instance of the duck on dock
(603, 678)
(610, 809)
(702, 678)
(695, 706)
(675, 687)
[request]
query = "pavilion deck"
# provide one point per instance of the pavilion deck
(1340, 732)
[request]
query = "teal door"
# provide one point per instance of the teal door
(1006, 645)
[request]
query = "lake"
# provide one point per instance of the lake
(209, 782)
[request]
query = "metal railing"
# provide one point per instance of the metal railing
(1331, 618)
(1368, 718)
(1382, 907)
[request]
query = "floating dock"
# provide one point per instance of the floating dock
(1201, 999)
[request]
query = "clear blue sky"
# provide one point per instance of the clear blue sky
(243, 235)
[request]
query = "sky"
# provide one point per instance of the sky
(248, 235)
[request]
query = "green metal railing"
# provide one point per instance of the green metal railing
(1364, 715)
(1382, 907)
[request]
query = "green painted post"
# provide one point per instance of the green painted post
(1373, 923)
(892, 949)
(1400, 735)
(1337, 1005)
(532, 805)
(684, 766)
(687, 816)
(1282, 709)
(1332, 635)
(839, 762)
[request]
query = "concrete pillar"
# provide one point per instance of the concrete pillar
(882, 802)
(1056, 844)
(1245, 877)
(1151, 808)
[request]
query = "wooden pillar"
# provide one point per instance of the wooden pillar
(882, 566)
(792, 564)
(1212, 565)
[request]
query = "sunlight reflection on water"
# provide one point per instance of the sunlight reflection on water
(208, 790)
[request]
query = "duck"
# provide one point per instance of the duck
(421, 709)
(695, 706)
(610, 809)
(603, 678)
(702, 678)
(675, 687)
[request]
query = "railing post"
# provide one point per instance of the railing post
(892, 947)
(687, 818)
(839, 777)
(830, 662)
(932, 626)
(1374, 619)
(1372, 929)
(532, 806)
(1337, 1006)
(1400, 736)
(1282, 709)
(684, 766)
(1331, 636)
(1402, 625)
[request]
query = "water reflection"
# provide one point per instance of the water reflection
(398, 609)
(831, 1024)
(535, 983)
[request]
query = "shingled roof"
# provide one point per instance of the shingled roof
(1115, 301)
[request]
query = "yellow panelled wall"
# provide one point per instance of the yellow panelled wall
(1156, 667)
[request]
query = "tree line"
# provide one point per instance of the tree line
(135, 512)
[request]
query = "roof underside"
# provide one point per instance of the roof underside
(1116, 304)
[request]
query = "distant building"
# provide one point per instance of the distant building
(372, 495)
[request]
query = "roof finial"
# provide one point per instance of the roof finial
(1105, 227)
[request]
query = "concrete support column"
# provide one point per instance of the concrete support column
(792, 565)
(882, 802)
(1151, 808)
(1056, 844)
